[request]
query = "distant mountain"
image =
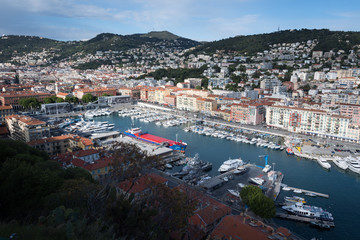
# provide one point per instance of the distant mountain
(251, 44)
(164, 35)
(17, 45)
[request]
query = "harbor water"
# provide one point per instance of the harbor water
(343, 188)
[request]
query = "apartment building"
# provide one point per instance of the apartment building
(312, 121)
(245, 113)
(26, 129)
(186, 102)
(62, 144)
(132, 92)
(5, 111)
(13, 98)
(97, 92)
(351, 110)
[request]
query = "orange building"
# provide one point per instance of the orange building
(97, 92)
(13, 98)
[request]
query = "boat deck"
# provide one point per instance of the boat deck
(303, 219)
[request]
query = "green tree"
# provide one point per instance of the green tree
(51, 99)
(59, 100)
(205, 83)
(198, 87)
(88, 98)
(258, 202)
(29, 103)
(72, 99)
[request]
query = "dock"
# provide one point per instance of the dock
(304, 219)
(309, 192)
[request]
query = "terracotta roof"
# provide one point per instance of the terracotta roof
(233, 227)
(62, 94)
(26, 119)
(83, 153)
(142, 183)
(5, 107)
(23, 94)
(50, 139)
(3, 130)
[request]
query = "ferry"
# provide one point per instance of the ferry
(309, 211)
(138, 134)
(289, 151)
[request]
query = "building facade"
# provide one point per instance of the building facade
(312, 122)
(26, 129)
(5, 111)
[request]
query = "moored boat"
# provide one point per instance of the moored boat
(138, 134)
(341, 163)
(231, 164)
(309, 211)
(289, 151)
(294, 199)
(257, 181)
(322, 161)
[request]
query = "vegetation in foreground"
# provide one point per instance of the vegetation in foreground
(40, 199)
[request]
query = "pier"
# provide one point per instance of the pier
(304, 219)
(309, 192)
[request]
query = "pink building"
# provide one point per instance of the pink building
(253, 113)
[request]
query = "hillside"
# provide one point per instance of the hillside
(164, 35)
(18, 45)
(251, 44)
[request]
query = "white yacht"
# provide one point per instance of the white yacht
(234, 192)
(322, 161)
(256, 180)
(266, 168)
(353, 164)
(341, 163)
(230, 165)
(309, 211)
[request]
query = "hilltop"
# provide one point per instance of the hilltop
(16, 45)
(251, 44)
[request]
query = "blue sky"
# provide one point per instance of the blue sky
(202, 20)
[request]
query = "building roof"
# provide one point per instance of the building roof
(235, 227)
(5, 107)
(23, 94)
(142, 183)
(83, 153)
(26, 119)
(50, 139)
(62, 94)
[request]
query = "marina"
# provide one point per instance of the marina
(294, 168)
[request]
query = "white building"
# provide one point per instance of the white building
(312, 122)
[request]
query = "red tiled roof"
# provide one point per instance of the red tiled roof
(26, 119)
(5, 107)
(142, 183)
(3, 130)
(233, 227)
(50, 139)
(83, 153)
